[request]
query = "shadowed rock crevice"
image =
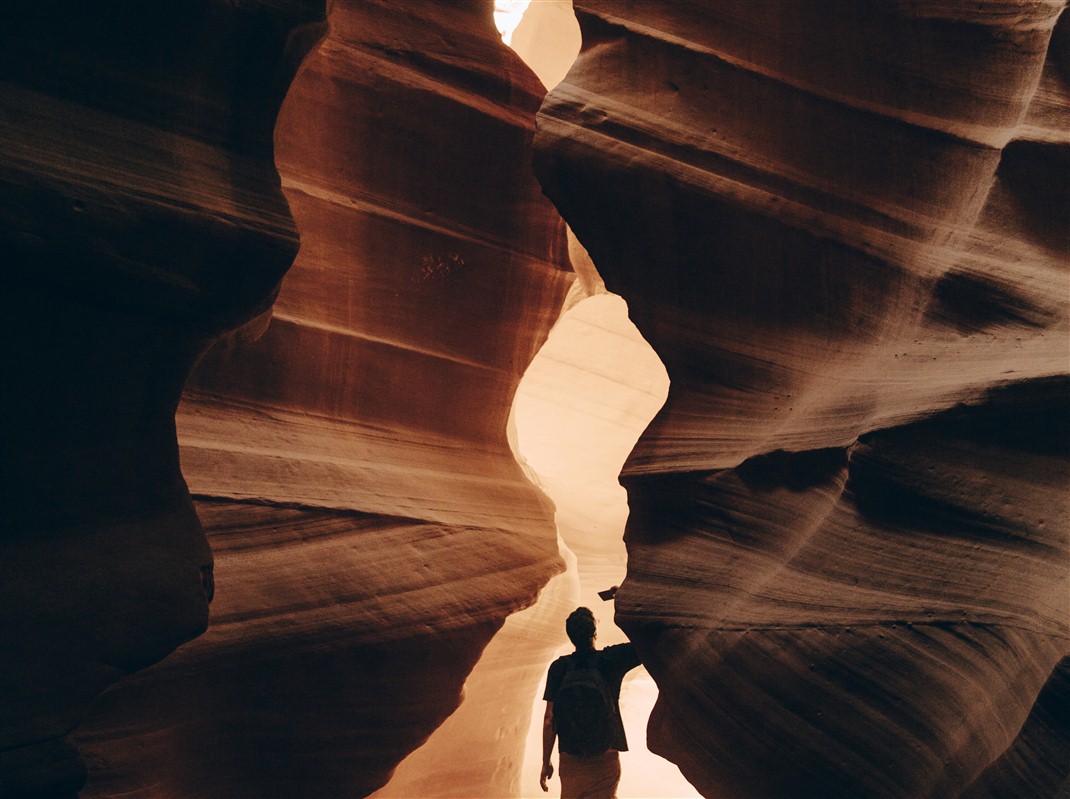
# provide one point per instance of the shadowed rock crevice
(142, 219)
(1026, 424)
(1038, 762)
(972, 303)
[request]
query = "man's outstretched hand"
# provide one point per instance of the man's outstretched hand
(547, 772)
(609, 593)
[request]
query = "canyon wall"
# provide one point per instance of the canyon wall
(369, 526)
(142, 218)
(843, 229)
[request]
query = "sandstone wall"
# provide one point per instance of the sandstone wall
(372, 528)
(142, 218)
(839, 227)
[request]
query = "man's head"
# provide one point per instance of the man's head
(581, 628)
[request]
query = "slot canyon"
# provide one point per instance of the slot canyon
(347, 349)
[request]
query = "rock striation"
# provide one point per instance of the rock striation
(349, 456)
(142, 218)
(842, 228)
(841, 231)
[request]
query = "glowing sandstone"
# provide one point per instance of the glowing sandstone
(372, 528)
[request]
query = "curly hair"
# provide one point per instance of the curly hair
(580, 628)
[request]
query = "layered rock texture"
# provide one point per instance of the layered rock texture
(348, 451)
(142, 218)
(843, 228)
(371, 526)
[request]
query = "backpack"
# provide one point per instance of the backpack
(583, 711)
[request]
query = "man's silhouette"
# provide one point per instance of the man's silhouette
(585, 687)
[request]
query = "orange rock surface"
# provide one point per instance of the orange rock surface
(371, 526)
(842, 227)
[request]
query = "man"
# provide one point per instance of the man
(591, 735)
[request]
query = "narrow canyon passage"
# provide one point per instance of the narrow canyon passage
(579, 409)
(583, 402)
(314, 408)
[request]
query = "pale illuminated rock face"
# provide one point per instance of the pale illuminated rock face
(840, 229)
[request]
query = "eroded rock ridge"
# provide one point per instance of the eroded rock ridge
(848, 532)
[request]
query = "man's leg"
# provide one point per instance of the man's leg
(590, 777)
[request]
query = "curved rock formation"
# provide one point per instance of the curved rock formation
(842, 228)
(371, 527)
(1036, 763)
(142, 218)
(838, 227)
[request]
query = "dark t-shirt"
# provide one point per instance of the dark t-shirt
(614, 662)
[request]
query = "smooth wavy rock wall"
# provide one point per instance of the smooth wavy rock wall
(843, 229)
(142, 218)
(371, 527)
